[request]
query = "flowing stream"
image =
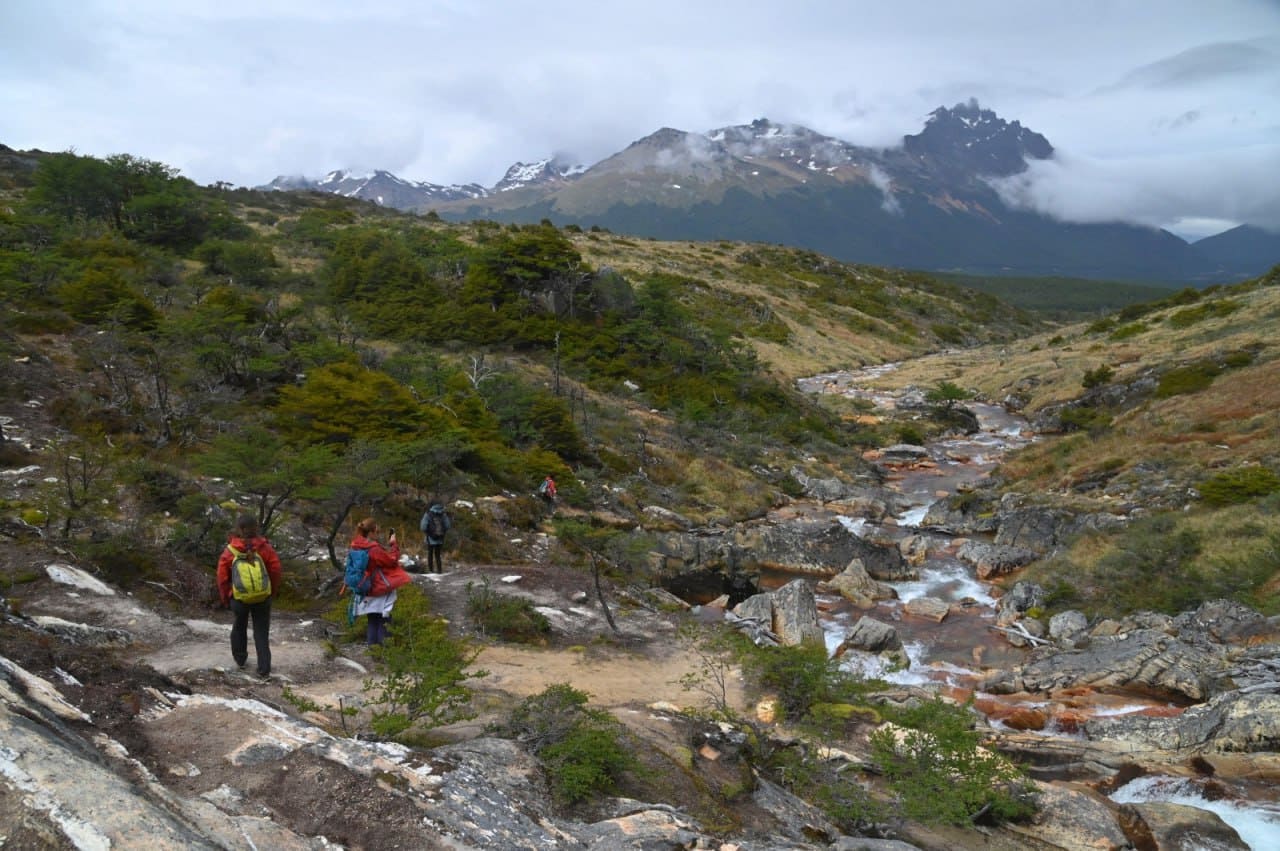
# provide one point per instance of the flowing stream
(950, 654)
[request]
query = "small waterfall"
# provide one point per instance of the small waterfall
(1257, 823)
(946, 580)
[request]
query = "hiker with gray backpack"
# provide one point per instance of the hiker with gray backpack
(434, 525)
(249, 574)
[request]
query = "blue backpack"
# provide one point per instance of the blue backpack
(358, 578)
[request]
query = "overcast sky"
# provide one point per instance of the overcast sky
(1165, 112)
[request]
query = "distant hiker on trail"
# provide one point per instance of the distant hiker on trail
(383, 575)
(547, 490)
(434, 524)
(248, 575)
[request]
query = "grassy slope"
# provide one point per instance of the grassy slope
(1234, 423)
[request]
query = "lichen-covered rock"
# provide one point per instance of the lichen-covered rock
(1234, 722)
(1023, 597)
(992, 560)
(1225, 622)
(1068, 626)
(1143, 661)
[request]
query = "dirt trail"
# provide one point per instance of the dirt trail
(640, 665)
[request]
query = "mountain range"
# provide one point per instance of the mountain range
(933, 203)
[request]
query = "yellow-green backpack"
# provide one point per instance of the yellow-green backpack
(250, 582)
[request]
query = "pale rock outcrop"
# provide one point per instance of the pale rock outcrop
(1226, 622)
(666, 516)
(928, 607)
(1073, 816)
(1235, 722)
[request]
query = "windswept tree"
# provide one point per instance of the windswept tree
(362, 476)
(947, 394)
(262, 465)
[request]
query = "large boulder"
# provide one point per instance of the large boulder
(1143, 662)
(789, 614)
(1035, 528)
(1072, 816)
(795, 614)
(928, 607)
(1023, 597)
(1069, 628)
(857, 586)
(870, 635)
(993, 560)
(1226, 622)
(1178, 827)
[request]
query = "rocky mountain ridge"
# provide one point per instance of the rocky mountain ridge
(935, 202)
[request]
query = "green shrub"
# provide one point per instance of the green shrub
(841, 798)
(1084, 418)
(1102, 326)
(910, 434)
(942, 774)
(1240, 485)
(1186, 379)
(122, 560)
(583, 750)
(802, 676)
(1124, 332)
(509, 618)
(1097, 377)
(422, 672)
(1189, 316)
(1151, 565)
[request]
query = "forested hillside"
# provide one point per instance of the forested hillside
(315, 348)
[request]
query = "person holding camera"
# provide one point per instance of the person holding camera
(386, 574)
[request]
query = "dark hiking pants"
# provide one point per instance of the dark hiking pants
(261, 614)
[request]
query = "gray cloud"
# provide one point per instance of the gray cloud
(455, 92)
(1222, 187)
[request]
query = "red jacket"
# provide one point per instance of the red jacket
(262, 547)
(384, 563)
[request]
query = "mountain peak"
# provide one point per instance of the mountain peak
(976, 139)
(552, 169)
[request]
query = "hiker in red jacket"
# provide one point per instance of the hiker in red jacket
(388, 575)
(246, 539)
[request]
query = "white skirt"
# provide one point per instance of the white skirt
(377, 605)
